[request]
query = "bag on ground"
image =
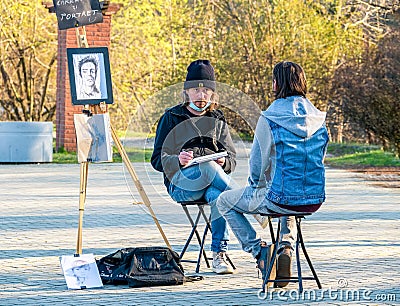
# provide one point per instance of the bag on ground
(142, 267)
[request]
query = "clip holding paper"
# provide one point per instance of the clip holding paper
(87, 112)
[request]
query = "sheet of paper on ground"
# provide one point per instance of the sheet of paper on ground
(81, 271)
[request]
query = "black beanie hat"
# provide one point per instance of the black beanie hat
(200, 73)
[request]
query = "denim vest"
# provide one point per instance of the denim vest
(299, 177)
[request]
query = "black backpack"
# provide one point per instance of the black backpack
(142, 267)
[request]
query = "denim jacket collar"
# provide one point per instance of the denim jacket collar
(296, 114)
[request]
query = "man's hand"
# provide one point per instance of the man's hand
(185, 157)
(220, 161)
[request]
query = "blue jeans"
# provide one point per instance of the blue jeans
(208, 181)
(233, 204)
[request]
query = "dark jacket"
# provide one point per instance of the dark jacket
(177, 130)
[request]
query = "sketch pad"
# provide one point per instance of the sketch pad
(93, 137)
(206, 158)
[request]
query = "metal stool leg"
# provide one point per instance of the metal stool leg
(207, 220)
(299, 277)
(202, 250)
(303, 247)
(193, 231)
(266, 280)
(206, 229)
(271, 230)
(299, 244)
(199, 240)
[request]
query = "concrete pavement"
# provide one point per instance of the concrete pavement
(353, 240)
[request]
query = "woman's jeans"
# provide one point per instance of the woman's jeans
(206, 180)
(234, 204)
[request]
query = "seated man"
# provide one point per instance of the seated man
(287, 173)
(191, 129)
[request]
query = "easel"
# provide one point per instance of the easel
(101, 109)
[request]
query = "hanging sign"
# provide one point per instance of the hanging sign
(76, 13)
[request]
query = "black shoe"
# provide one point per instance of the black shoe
(262, 261)
(284, 266)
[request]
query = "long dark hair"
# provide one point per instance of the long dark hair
(290, 80)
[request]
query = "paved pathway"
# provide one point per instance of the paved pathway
(353, 240)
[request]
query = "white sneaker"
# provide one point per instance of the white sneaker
(219, 264)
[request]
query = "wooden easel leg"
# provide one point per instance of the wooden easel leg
(81, 38)
(82, 43)
(82, 198)
(138, 184)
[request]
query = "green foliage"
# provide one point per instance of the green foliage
(145, 40)
(367, 90)
(261, 33)
(28, 44)
(245, 137)
(153, 42)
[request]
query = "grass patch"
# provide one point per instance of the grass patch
(340, 149)
(134, 154)
(65, 158)
(133, 134)
(359, 155)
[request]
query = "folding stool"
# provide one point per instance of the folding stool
(299, 241)
(194, 222)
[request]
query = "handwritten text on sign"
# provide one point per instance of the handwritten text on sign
(75, 13)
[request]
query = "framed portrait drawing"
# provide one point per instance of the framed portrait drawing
(89, 75)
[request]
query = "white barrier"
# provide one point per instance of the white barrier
(26, 142)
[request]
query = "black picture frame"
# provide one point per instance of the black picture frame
(89, 75)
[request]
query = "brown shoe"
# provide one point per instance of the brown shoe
(284, 266)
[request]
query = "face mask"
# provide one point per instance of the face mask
(198, 109)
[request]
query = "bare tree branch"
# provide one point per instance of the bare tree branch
(45, 85)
